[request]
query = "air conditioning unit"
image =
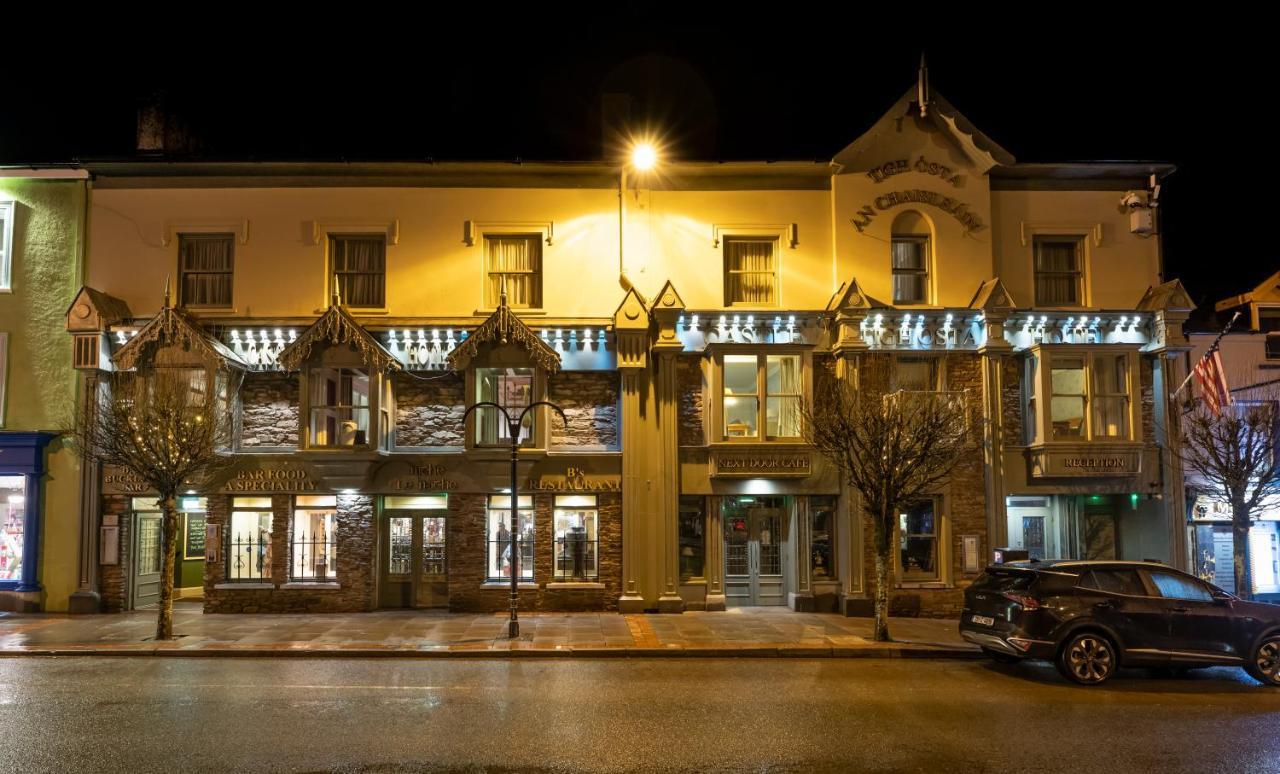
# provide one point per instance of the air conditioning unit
(1142, 216)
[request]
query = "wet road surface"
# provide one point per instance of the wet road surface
(762, 715)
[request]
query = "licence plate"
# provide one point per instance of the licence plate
(983, 620)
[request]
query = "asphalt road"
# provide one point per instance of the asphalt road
(761, 715)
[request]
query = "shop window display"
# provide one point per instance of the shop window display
(693, 545)
(499, 541)
(314, 542)
(577, 539)
(822, 516)
(13, 515)
(918, 541)
(249, 540)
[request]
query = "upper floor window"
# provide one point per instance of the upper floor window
(1059, 270)
(915, 374)
(6, 243)
(339, 407)
(750, 271)
(1090, 395)
(205, 269)
(514, 262)
(761, 392)
(910, 269)
(512, 389)
(359, 266)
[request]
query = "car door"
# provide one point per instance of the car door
(1199, 624)
(1124, 604)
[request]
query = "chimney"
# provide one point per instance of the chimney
(161, 131)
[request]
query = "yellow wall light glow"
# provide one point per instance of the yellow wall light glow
(644, 156)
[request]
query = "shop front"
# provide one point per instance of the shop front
(22, 468)
(1211, 541)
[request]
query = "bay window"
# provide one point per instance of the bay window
(761, 396)
(339, 406)
(499, 525)
(1075, 395)
(512, 389)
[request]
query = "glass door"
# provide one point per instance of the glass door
(414, 561)
(754, 547)
(149, 559)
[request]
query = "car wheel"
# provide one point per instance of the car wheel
(1264, 666)
(1000, 658)
(1087, 658)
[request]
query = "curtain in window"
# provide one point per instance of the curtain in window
(206, 271)
(360, 264)
(910, 271)
(750, 274)
(519, 260)
(1110, 396)
(1057, 272)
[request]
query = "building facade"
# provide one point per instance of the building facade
(42, 236)
(352, 313)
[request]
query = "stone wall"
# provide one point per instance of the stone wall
(112, 579)
(469, 590)
(269, 411)
(429, 410)
(356, 566)
(692, 409)
(590, 403)
(1011, 400)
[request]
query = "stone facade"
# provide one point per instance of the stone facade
(429, 410)
(689, 386)
(269, 411)
(589, 400)
(1011, 400)
(114, 578)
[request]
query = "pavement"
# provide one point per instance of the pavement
(766, 716)
(742, 632)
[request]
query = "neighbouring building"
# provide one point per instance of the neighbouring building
(352, 312)
(1251, 361)
(42, 213)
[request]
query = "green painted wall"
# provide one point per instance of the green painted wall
(48, 238)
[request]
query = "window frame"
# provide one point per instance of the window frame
(331, 540)
(1080, 273)
(8, 213)
(767, 237)
(937, 372)
(538, 238)
(925, 272)
(761, 395)
(490, 540)
(559, 543)
(372, 408)
(201, 236)
(1038, 389)
(942, 548)
(231, 546)
(535, 438)
(332, 273)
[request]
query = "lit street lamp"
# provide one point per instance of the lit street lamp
(513, 432)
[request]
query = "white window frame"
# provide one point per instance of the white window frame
(717, 430)
(538, 238)
(926, 272)
(942, 539)
(1039, 388)
(478, 232)
(4, 373)
(776, 236)
(7, 210)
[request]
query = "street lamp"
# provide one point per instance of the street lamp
(513, 432)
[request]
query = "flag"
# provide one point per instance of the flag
(1213, 381)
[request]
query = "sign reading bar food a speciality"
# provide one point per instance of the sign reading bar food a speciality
(272, 479)
(760, 464)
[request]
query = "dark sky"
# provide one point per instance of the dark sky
(784, 85)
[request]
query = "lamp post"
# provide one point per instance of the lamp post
(513, 432)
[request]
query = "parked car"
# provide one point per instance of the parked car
(1091, 617)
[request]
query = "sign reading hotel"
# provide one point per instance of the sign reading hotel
(760, 464)
(948, 204)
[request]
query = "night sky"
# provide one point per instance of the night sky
(785, 88)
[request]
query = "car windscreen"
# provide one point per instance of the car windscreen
(1004, 580)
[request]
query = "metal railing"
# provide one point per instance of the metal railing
(313, 557)
(576, 557)
(248, 556)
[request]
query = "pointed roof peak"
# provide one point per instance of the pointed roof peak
(922, 86)
(501, 328)
(850, 295)
(174, 328)
(992, 296)
(337, 326)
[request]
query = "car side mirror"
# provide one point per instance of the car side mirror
(1221, 598)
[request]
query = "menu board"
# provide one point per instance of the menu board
(195, 536)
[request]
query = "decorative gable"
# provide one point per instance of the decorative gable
(503, 327)
(1168, 296)
(992, 297)
(173, 329)
(337, 327)
(95, 311)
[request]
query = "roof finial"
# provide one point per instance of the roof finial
(922, 87)
(168, 278)
(337, 292)
(502, 291)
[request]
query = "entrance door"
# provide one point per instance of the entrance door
(149, 558)
(1033, 536)
(1099, 533)
(753, 549)
(414, 572)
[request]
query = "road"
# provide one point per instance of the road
(761, 715)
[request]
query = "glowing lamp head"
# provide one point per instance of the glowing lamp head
(644, 156)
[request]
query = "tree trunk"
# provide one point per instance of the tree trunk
(882, 597)
(169, 541)
(1240, 559)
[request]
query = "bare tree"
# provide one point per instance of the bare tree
(164, 426)
(1232, 457)
(892, 449)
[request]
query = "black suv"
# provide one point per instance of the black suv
(1091, 617)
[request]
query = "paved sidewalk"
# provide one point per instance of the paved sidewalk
(751, 632)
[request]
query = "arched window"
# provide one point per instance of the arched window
(910, 258)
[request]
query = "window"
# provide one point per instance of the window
(822, 518)
(314, 542)
(1058, 270)
(761, 391)
(13, 525)
(1115, 582)
(1090, 395)
(1273, 346)
(359, 265)
(577, 546)
(510, 388)
(205, 269)
(514, 261)
(249, 539)
(918, 541)
(6, 244)
(750, 271)
(692, 535)
(910, 263)
(916, 374)
(339, 407)
(1173, 586)
(499, 542)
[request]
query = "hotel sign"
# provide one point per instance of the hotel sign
(1084, 462)
(760, 464)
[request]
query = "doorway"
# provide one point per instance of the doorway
(150, 558)
(414, 560)
(755, 539)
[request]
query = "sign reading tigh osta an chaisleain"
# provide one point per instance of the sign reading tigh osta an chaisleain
(948, 204)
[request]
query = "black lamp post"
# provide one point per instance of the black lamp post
(513, 432)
